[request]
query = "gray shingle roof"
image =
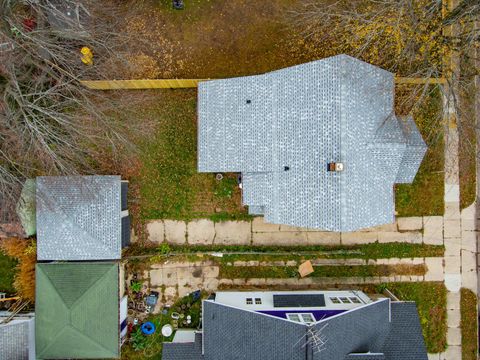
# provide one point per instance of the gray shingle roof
(78, 218)
(405, 339)
(361, 330)
(231, 333)
(183, 351)
(338, 109)
(14, 340)
(365, 333)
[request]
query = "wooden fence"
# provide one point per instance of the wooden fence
(141, 84)
(192, 83)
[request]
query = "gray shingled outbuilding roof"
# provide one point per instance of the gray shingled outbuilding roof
(281, 129)
(17, 339)
(381, 330)
(79, 218)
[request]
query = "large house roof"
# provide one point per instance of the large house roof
(79, 218)
(281, 129)
(381, 330)
(77, 310)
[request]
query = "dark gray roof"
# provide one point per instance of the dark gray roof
(79, 218)
(230, 333)
(364, 333)
(183, 351)
(338, 109)
(361, 330)
(405, 339)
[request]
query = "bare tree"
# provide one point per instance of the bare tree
(411, 38)
(49, 123)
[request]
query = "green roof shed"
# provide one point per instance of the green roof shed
(77, 311)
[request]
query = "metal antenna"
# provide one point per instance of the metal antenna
(315, 338)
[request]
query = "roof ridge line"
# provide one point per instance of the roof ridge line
(81, 333)
(69, 220)
(93, 285)
(57, 335)
(50, 281)
(343, 62)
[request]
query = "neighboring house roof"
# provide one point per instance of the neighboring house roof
(17, 339)
(79, 218)
(366, 331)
(184, 351)
(77, 310)
(281, 129)
(26, 208)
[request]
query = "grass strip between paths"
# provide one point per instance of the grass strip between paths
(248, 272)
(468, 324)
(364, 251)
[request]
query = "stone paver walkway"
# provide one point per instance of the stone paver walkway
(178, 278)
(427, 229)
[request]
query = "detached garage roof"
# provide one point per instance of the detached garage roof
(79, 218)
(282, 129)
(77, 311)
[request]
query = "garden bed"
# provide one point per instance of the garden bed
(142, 346)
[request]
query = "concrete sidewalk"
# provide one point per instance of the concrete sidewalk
(428, 229)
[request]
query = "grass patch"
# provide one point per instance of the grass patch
(169, 184)
(425, 195)
(245, 252)
(7, 273)
(467, 135)
(276, 272)
(468, 323)
(431, 300)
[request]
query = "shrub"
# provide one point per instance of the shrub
(25, 251)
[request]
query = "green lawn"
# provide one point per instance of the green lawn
(431, 300)
(7, 273)
(425, 195)
(169, 183)
(468, 323)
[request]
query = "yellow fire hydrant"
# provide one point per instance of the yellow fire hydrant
(87, 55)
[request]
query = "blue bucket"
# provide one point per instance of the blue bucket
(148, 328)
